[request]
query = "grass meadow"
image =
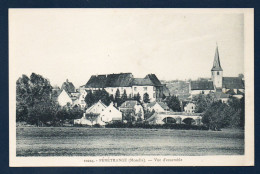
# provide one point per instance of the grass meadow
(81, 141)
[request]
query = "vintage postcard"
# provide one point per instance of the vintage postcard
(131, 87)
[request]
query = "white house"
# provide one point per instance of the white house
(97, 108)
(109, 114)
(64, 98)
(189, 108)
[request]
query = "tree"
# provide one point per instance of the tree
(173, 103)
(202, 102)
(33, 99)
(89, 99)
(117, 98)
(146, 98)
(124, 96)
(137, 97)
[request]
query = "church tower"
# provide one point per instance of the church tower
(217, 71)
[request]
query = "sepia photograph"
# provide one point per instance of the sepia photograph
(131, 87)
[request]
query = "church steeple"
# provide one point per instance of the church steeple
(216, 63)
(217, 71)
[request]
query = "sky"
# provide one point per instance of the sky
(74, 44)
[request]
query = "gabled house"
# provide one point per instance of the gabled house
(158, 107)
(64, 98)
(109, 115)
(132, 107)
(68, 87)
(96, 108)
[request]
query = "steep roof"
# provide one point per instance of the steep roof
(68, 86)
(110, 80)
(96, 81)
(233, 83)
(154, 79)
(142, 82)
(121, 80)
(201, 85)
(216, 63)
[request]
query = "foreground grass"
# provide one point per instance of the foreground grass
(80, 141)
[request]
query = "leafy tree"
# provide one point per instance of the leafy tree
(146, 98)
(202, 102)
(173, 103)
(89, 99)
(33, 99)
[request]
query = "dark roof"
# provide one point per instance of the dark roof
(216, 63)
(233, 83)
(129, 104)
(154, 79)
(220, 95)
(201, 85)
(110, 80)
(142, 82)
(68, 87)
(121, 80)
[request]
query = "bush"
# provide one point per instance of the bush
(156, 126)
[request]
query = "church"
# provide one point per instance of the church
(223, 87)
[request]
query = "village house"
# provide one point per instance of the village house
(100, 114)
(64, 98)
(110, 114)
(233, 86)
(69, 95)
(158, 107)
(189, 108)
(132, 107)
(126, 82)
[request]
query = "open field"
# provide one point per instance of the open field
(80, 141)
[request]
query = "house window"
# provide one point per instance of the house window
(217, 73)
(135, 88)
(145, 88)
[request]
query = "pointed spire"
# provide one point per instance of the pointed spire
(216, 63)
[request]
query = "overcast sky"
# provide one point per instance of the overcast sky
(77, 43)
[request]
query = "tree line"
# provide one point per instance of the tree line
(36, 103)
(217, 114)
